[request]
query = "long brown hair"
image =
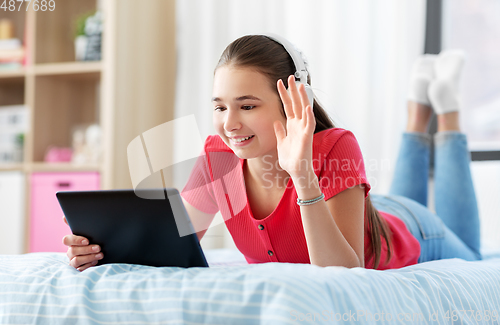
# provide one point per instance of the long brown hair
(271, 59)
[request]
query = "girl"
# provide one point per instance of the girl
(292, 188)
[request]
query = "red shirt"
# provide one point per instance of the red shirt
(217, 184)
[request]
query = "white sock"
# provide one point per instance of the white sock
(422, 74)
(444, 89)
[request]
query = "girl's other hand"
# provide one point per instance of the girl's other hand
(81, 255)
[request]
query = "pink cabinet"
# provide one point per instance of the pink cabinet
(47, 227)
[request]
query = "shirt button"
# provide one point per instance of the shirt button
(261, 227)
(270, 253)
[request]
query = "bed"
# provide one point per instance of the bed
(41, 288)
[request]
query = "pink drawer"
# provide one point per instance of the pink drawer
(47, 227)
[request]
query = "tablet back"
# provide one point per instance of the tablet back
(133, 230)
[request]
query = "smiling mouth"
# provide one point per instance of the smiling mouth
(240, 140)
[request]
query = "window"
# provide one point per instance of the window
(474, 26)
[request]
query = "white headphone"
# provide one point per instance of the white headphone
(300, 66)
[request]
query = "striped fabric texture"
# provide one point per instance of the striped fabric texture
(41, 288)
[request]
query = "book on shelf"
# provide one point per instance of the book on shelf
(10, 44)
(11, 54)
(12, 51)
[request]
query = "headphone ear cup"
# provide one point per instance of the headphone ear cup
(310, 94)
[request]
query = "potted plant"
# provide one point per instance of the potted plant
(81, 38)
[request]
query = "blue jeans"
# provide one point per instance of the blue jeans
(454, 231)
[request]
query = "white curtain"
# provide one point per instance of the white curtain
(359, 52)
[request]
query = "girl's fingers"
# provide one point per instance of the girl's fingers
(86, 266)
(294, 94)
(83, 250)
(311, 122)
(304, 103)
(295, 100)
(305, 115)
(72, 240)
(285, 98)
(79, 261)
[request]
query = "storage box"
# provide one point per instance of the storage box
(14, 118)
(13, 126)
(47, 227)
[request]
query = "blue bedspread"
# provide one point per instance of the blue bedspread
(42, 288)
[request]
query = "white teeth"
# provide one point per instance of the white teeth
(241, 139)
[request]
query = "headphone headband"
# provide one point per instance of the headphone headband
(300, 66)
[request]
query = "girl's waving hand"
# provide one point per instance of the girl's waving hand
(295, 141)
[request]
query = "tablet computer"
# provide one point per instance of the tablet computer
(134, 230)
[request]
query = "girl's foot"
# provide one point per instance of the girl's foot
(419, 110)
(422, 74)
(444, 88)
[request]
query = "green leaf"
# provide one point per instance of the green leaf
(80, 23)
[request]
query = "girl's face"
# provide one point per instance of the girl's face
(245, 106)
